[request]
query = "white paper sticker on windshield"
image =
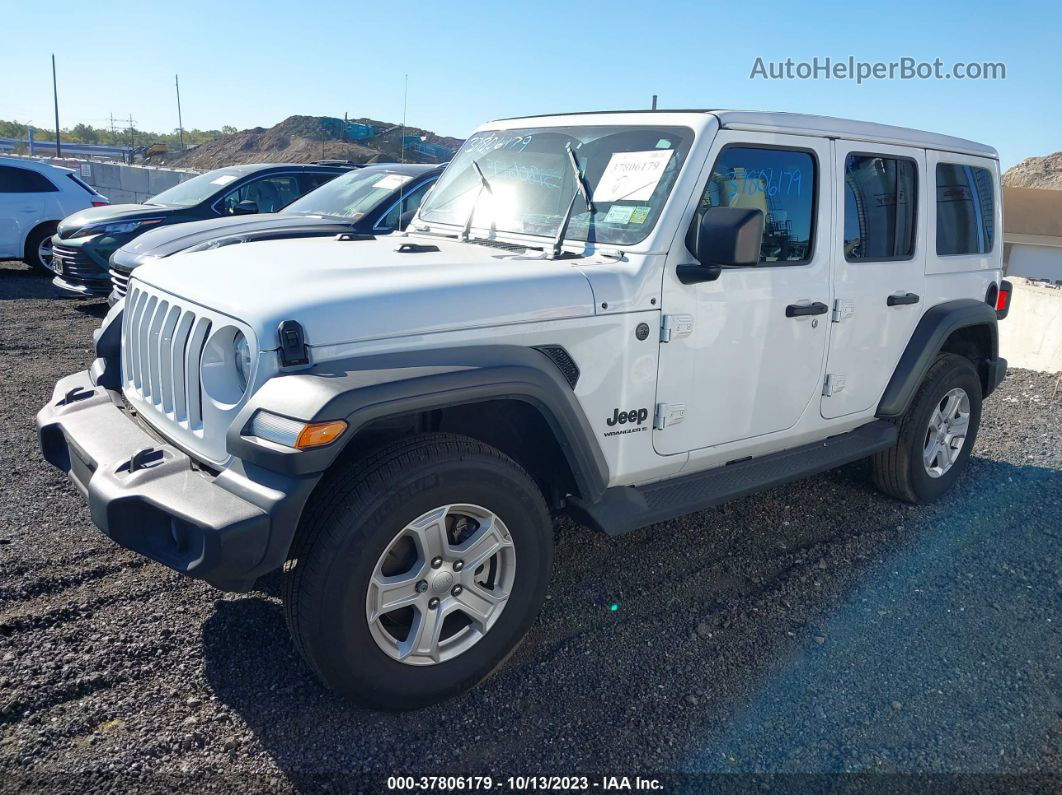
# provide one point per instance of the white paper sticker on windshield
(392, 181)
(619, 214)
(224, 179)
(632, 175)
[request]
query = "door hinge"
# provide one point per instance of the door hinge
(673, 327)
(668, 414)
(842, 310)
(833, 383)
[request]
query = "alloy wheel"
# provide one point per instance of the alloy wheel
(441, 584)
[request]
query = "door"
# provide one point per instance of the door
(878, 270)
(21, 207)
(744, 353)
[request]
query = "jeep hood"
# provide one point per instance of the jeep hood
(167, 240)
(349, 291)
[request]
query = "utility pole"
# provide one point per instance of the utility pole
(405, 104)
(55, 97)
(180, 122)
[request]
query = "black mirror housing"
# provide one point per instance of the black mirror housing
(730, 237)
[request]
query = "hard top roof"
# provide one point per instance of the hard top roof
(805, 124)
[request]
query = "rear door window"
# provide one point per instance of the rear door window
(965, 209)
(880, 196)
(22, 180)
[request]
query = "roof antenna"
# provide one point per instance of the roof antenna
(654, 101)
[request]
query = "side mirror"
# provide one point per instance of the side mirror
(727, 237)
(405, 218)
(246, 207)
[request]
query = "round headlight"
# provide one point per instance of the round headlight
(242, 353)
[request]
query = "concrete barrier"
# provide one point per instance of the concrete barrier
(1031, 335)
(121, 183)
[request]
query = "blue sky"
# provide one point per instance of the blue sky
(254, 64)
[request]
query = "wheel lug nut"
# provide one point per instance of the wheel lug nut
(456, 590)
(433, 602)
(422, 586)
(458, 565)
(436, 562)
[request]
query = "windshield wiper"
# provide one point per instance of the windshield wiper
(581, 189)
(483, 185)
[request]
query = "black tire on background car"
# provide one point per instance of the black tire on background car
(39, 247)
(936, 434)
(433, 531)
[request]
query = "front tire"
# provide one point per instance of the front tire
(417, 569)
(936, 434)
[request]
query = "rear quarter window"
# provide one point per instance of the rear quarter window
(965, 209)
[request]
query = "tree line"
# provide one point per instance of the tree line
(87, 134)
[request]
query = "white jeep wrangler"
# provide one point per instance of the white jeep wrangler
(627, 316)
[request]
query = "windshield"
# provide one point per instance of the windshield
(195, 190)
(351, 195)
(630, 171)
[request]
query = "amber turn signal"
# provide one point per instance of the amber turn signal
(318, 434)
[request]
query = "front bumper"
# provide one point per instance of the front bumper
(226, 528)
(80, 266)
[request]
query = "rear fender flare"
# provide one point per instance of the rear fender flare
(937, 324)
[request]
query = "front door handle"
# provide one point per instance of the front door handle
(899, 300)
(802, 310)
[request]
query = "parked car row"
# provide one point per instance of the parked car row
(53, 220)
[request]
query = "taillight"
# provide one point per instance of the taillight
(1003, 299)
(100, 204)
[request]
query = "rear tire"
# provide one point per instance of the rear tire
(928, 457)
(38, 254)
(336, 583)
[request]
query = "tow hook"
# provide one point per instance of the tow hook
(142, 459)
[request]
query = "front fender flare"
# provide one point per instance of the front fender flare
(365, 389)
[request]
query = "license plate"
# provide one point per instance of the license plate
(57, 265)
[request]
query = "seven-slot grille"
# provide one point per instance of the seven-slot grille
(162, 345)
(120, 282)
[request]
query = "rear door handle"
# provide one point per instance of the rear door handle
(802, 310)
(898, 300)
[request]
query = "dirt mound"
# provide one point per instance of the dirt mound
(1036, 172)
(302, 139)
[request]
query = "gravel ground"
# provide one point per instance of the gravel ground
(816, 628)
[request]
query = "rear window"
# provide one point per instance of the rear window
(879, 207)
(965, 209)
(77, 181)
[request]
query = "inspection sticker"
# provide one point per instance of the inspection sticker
(224, 179)
(632, 175)
(639, 214)
(392, 181)
(619, 214)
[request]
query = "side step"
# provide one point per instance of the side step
(625, 508)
